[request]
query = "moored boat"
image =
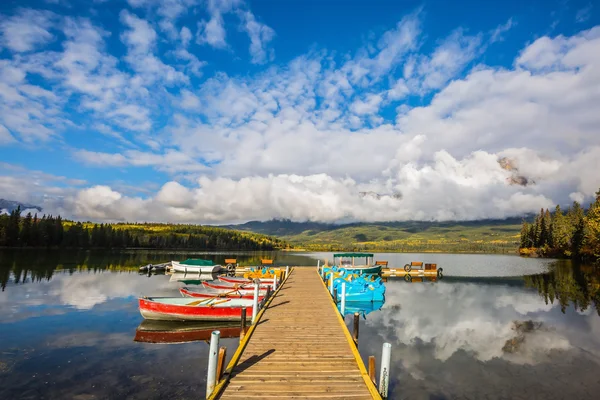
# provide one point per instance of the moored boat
(186, 292)
(197, 265)
(182, 309)
(348, 261)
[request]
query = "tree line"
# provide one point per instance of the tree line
(50, 231)
(574, 234)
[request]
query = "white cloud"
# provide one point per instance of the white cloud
(26, 30)
(368, 106)
(212, 32)
(260, 36)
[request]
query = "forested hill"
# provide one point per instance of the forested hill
(495, 236)
(49, 231)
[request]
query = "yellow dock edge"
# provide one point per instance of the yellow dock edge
(243, 343)
(361, 366)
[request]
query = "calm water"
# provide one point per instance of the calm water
(495, 327)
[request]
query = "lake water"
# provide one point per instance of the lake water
(494, 327)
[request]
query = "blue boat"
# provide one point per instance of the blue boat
(361, 289)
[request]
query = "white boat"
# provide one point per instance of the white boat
(204, 269)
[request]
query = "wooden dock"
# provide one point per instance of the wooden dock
(299, 349)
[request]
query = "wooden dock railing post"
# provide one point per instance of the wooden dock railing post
(211, 375)
(221, 363)
(243, 324)
(384, 372)
(372, 369)
(355, 330)
(343, 307)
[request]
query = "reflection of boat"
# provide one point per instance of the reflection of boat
(347, 261)
(151, 331)
(182, 309)
(195, 265)
(185, 292)
(191, 278)
(363, 308)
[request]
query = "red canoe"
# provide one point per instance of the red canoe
(186, 309)
(207, 295)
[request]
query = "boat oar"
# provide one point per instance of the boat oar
(195, 303)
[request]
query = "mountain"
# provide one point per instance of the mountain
(471, 236)
(10, 205)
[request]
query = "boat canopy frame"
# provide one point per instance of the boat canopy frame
(369, 257)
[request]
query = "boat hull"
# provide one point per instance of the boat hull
(203, 269)
(155, 310)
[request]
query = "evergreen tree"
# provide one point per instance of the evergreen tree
(576, 221)
(25, 234)
(12, 227)
(560, 232)
(592, 228)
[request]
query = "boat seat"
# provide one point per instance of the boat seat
(384, 263)
(430, 267)
(416, 264)
(266, 262)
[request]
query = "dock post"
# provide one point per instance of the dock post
(243, 324)
(343, 298)
(274, 282)
(318, 264)
(384, 372)
(355, 330)
(221, 363)
(335, 295)
(255, 302)
(287, 271)
(211, 375)
(372, 369)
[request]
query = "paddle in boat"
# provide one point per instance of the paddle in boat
(182, 309)
(352, 262)
(152, 331)
(197, 265)
(234, 294)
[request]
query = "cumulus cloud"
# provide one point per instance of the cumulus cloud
(424, 130)
(26, 30)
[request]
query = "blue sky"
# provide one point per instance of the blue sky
(226, 111)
